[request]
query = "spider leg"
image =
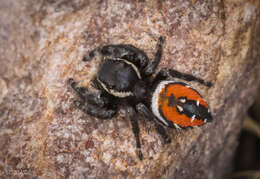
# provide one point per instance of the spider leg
(81, 91)
(165, 73)
(160, 129)
(150, 68)
(99, 112)
(132, 116)
(141, 108)
(121, 51)
(96, 99)
(99, 105)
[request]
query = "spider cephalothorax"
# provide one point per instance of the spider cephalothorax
(124, 78)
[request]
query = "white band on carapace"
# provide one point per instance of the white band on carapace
(114, 92)
(128, 63)
(120, 94)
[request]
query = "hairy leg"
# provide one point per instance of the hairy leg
(151, 67)
(98, 105)
(99, 112)
(132, 116)
(122, 51)
(160, 129)
(142, 109)
(97, 99)
(167, 73)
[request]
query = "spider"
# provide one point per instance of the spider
(125, 78)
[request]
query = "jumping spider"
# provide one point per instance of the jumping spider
(125, 78)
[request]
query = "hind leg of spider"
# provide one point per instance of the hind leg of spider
(132, 116)
(160, 129)
(166, 73)
(142, 109)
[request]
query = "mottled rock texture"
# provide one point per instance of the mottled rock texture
(42, 43)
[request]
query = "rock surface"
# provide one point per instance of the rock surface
(42, 43)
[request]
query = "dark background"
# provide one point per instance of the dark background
(247, 158)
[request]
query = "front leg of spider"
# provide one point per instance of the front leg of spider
(95, 111)
(98, 106)
(98, 99)
(125, 52)
(132, 116)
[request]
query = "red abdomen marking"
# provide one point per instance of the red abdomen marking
(180, 105)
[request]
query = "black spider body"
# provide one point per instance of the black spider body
(120, 80)
(124, 78)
